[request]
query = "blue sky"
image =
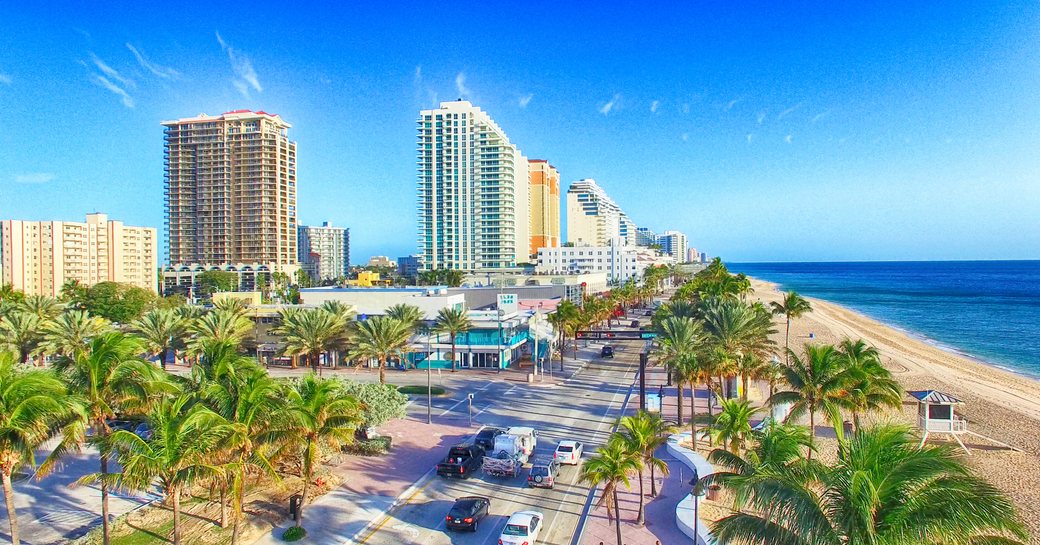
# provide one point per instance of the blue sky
(815, 131)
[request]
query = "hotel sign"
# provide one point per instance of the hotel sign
(507, 303)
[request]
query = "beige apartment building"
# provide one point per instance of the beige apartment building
(38, 257)
(545, 205)
(231, 189)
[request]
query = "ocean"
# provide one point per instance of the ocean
(986, 310)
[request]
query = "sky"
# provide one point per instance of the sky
(794, 131)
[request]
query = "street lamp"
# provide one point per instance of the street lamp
(697, 493)
(429, 382)
(501, 341)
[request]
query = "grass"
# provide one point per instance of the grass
(416, 390)
(143, 536)
(294, 533)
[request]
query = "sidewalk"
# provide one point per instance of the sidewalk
(374, 483)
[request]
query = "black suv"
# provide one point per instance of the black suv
(486, 437)
(466, 512)
(607, 352)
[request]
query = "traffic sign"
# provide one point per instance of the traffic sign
(617, 335)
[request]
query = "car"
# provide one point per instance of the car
(543, 473)
(461, 462)
(522, 527)
(486, 437)
(467, 512)
(569, 452)
(635, 324)
(606, 352)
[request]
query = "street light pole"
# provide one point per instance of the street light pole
(429, 381)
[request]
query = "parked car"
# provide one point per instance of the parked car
(510, 452)
(635, 324)
(486, 437)
(461, 462)
(522, 527)
(606, 352)
(467, 512)
(569, 452)
(543, 473)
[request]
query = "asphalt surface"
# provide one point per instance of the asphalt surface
(583, 408)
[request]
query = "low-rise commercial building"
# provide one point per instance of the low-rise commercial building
(577, 284)
(619, 262)
(375, 301)
(409, 265)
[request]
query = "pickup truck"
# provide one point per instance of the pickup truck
(461, 462)
(511, 451)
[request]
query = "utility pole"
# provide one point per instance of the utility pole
(469, 410)
(644, 357)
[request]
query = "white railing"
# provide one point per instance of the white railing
(957, 425)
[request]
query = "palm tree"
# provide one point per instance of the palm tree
(162, 330)
(644, 433)
(47, 308)
(883, 489)
(218, 325)
(817, 384)
(411, 317)
(679, 341)
(112, 380)
(230, 305)
(734, 329)
(452, 321)
(380, 338)
(750, 367)
(246, 397)
(178, 453)
(871, 386)
(33, 407)
(561, 321)
(733, 424)
(312, 333)
(22, 332)
(777, 448)
(69, 333)
(791, 306)
(611, 466)
(321, 415)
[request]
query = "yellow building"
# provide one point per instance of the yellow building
(544, 182)
(40, 256)
(368, 279)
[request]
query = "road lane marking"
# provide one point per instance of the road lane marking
(463, 400)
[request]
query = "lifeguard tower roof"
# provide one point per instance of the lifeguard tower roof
(935, 396)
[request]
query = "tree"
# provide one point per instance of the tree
(21, 332)
(311, 333)
(10, 295)
(112, 380)
(380, 338)
(817, 384)
(380, 403)
(73, 294)
(118, 302)
(733, 424)
(70, 332)
(440, 277)
(210, 282)
(734, 329)
(178, 453)
(410, 316)
(321, 414)
(611, 466)
(644, 433)
(562, 321)
(791, 306)
(162, 330)
(452, 321)
(777, 448)
(33, 407)
(883, 489)
(871, 386)
(47, 308)
(217, 325)
(680, 339)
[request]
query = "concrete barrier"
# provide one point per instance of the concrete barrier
(684, 512)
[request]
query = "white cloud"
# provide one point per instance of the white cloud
(654, 105)
(819, 116)
(788, 111)
(127, 100)
(685, 137)
(609, 106)
(34, 178)
(789, 138)
(685, 108)
(762, 116)
(111, 73)
(732, 103)
(460, 85)
(5, 78)
(525, 100)
(243, 69)
(750, 136)
(418, 73)
(164, 72)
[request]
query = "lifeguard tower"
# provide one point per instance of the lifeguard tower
(935, 414)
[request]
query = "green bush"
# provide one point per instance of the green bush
(381, 402)
(435, 390)
(294, 533)
(376, 446)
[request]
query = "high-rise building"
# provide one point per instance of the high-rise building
(324, 251)
(473, 191)
(674, 244)
(594, 219)
(231, 189)
(645, 237)
(545, 205)
(40, 256)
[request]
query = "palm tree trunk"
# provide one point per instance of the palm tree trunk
(855, 420)
(693, 416)
(641, 518)
(653, 482)
(711, 410)
(308, 470)
(617, 517)
(744, 387)
(162, 358)
(382, 370)
(812, 433)
(9, 501)
(223, 505)
(176, 515)
(453, 353)
(237, 494)
(678, 401)
(105, 530)
(314, 362)
(787, 342)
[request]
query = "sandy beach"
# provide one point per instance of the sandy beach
(997, 403)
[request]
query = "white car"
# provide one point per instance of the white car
(522, 528)
(568, 452)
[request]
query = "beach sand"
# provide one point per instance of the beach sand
(997, 403)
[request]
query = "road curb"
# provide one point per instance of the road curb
(360, 536)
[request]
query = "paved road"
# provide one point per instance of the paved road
(583, 408)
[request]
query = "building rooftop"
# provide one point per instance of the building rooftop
(934, 396)
(376, 289)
